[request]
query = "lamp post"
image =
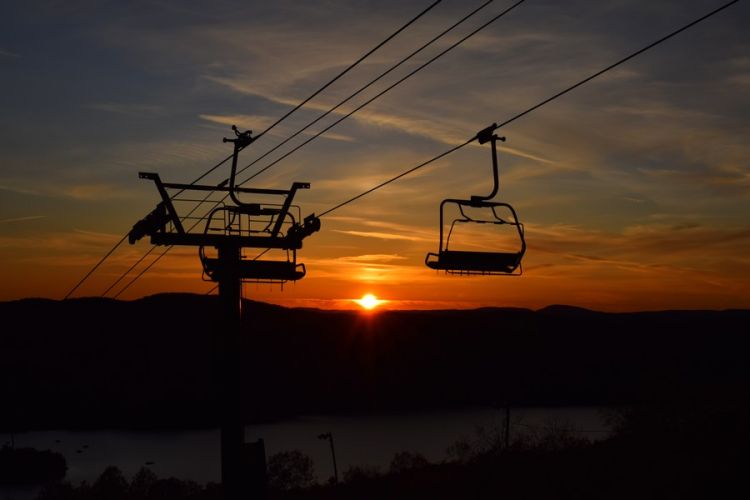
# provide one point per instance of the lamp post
(329, 437)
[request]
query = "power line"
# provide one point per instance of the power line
(143, 271)
(157, 259)
(390, 87)
(153, 247)
(536, 106)
(122, 240)
(325, 86)
(123, 275)
(286, 115)
(96, 266)
(378, 95)
(350, 97)
(621, 61)
(355, 63)
(387, 89)
(393, 179)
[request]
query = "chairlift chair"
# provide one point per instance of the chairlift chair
(466, 262)
(255, 270)
(243, 225)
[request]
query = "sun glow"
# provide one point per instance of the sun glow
(369, 301)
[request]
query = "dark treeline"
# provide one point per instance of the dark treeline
(92, 363)
(669, 451)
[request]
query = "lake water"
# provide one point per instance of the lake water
(359, 440)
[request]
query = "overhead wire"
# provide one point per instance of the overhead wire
(123, 275)
(355, 94)
(321, 89)
(122, 240)
(152, 263)
(387, 89)
(316, 120)
(270, 127)
(496, 126)
(96, 266)
(355, 63)
(521, 114)
(377, 96)
(144, 270)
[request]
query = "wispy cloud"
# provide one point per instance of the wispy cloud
(95, 192)
(23, 219)
(372, 258)
(19, 190)
(257, 123)
(421, 126)
(7, 53)
(678, 247)
(380, 235)
(77, 241)
(243, 122)
(128, 109)
(647, 166)
(377, 270)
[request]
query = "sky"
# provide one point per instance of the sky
(634, 189)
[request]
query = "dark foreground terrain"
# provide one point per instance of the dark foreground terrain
(676, 381)
(149, 363)
(683, 448)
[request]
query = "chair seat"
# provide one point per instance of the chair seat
(474, 262)
(277, 270)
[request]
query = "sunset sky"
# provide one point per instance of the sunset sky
(634, 189)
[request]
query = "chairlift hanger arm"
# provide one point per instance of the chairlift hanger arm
(484, 136)
(242, 140)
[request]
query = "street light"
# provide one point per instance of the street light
(329, 437)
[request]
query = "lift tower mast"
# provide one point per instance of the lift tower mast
(230, 228)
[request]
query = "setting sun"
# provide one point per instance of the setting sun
(369, 301)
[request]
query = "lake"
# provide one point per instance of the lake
(359, 440)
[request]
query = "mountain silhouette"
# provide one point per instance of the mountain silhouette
(93, 362)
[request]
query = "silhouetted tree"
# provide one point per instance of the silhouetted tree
(144, 479)
(172, 488)
(460, 450)
(26, 466)
(404, 461)
(361, 473)
(111, 484)
(59, 491)
(289, 470)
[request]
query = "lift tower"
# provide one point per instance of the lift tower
(228, 229)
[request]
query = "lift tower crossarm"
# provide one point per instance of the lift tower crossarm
(165, 198)
(217, 240)
(154, 224)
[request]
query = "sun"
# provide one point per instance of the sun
(369, 301)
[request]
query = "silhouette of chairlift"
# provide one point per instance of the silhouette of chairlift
(464, 262)
(242, 225)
